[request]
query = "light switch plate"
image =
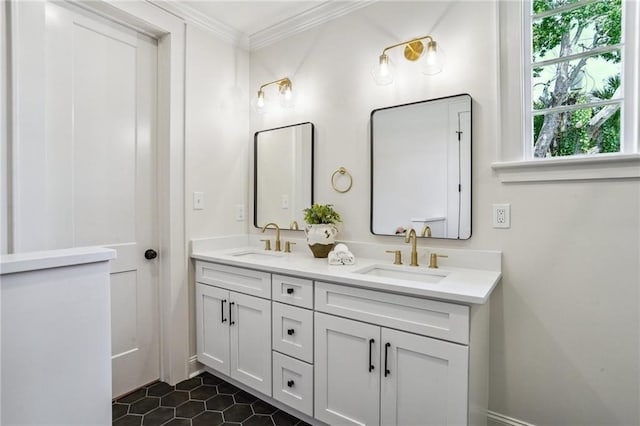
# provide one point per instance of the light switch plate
(198, 200)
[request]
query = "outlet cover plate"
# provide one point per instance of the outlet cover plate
(240, 212)
(502, 215)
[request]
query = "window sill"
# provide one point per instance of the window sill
(604, 166)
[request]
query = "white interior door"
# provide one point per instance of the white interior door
(89, 178)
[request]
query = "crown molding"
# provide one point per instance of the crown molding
(318, 15)
(191, 15)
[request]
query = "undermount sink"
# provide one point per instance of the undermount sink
(256, 255)
(407, 273)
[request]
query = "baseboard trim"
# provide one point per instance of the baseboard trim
(195, 367)
(501, 419)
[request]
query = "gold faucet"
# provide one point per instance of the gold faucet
(426, 230)
(294, 226)
(277, 234)
(414, 250)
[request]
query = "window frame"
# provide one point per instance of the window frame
(516, 162)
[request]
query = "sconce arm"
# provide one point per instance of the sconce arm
(280, 82)
(384, 51)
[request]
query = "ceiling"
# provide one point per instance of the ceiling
(250, 17)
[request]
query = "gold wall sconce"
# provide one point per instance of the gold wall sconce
(414, 49)
(285, 88)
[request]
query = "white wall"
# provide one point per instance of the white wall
(4, 134)
(217, 140)
(565, 325)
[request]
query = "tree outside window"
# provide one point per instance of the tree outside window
(576, 88)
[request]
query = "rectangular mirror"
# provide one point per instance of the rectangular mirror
(421, 168)
(283, 175)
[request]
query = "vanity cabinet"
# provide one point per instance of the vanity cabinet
(234, 329)
(371, 375)
(343, 354)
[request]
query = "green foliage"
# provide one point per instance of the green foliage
(321, 213)
(582, 29)
(604, 17)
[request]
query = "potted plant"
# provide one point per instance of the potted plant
(321, 230)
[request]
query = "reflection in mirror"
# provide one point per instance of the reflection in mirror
(283, 175)
(421, 168)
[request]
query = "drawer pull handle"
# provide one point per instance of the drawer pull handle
(222, 302)
(290, 383)
(290, 331)
(231, 322)
(290, 290)
(386, 356)
(371, 342)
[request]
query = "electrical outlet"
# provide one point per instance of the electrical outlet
(239, 212)
(284, 202)
(198, 200)
(502, 216)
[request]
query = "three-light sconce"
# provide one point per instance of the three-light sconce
(414, 49)
(285, 88)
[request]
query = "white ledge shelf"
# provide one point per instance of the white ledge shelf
(600, 167)
(31, 261)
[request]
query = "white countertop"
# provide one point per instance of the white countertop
(469, 286)
(30, 261)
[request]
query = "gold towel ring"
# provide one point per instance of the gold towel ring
(341, 171)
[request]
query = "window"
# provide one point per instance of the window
(574, 77)
(569, 104)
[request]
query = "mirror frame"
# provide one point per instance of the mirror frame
(470, 165)
(255, 168)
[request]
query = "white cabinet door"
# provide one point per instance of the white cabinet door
(347, 378)
(212, 327)
(250, 325)
(425, 382)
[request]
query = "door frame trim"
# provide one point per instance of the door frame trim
(173, 306)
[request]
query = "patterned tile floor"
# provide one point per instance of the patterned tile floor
(205, 400)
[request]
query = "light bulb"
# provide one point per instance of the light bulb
(433, 60)
(286, 95)
(383, 71)
(260, 100)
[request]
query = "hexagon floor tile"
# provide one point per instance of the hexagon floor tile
(199, 401)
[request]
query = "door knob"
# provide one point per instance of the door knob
(150, 254)
(290, 331)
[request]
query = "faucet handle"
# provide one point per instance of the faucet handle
(433, 260)
(267, 244)
(287, 246)
(398, 256)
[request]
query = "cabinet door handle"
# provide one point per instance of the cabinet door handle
(222, 302)
(231, 322)
(386, 357)
(371, 342)
(290, 290)
(290, 383)
(290, 331)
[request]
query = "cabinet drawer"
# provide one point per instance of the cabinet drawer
(293, 383)
(293, 291)
(293, 331)
(441, 320)
(255, 283)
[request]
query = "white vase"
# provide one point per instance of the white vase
(321, 238)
